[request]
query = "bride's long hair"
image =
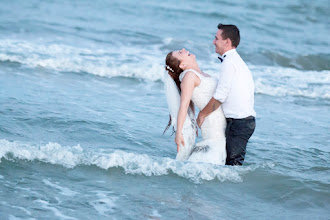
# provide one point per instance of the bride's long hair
(172, 65)
(173, 68)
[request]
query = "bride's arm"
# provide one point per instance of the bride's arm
(189, 82)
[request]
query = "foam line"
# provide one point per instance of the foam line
(132, 163)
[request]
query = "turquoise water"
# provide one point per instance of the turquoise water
(82, 111)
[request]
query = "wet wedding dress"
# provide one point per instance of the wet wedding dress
(212, 148)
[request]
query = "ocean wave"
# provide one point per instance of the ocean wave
(126, 61)
(132, 163)
(279, 81)
(283, 81)
(316, 62)
(148, 63)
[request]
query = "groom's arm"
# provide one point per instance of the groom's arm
(207, 110)
(226, 79)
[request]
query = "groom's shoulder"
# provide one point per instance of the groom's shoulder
(234, 55)
(227, 63)
(236, 59)
(233, 63)
(227, 67)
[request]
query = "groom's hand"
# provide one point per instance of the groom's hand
(200, 119)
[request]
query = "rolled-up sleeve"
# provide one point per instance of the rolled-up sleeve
(226, 78)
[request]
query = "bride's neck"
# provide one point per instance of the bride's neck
(194, 67)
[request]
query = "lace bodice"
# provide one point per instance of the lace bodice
(215, 124)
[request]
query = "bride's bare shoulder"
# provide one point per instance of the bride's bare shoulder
(191, 78)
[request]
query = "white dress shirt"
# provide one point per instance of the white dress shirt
(235, 88)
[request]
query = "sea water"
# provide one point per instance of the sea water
(83, 109)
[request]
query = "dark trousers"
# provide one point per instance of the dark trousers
(238, 132)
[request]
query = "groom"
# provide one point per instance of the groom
(235, 93)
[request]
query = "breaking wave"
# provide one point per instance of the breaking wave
(147, 63)
(132, 163)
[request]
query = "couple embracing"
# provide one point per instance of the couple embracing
(226, 117)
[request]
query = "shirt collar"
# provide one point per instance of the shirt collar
(229, 52)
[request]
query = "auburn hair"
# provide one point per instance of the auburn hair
(173, 68)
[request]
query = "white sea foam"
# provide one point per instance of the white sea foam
(283, 81)
(23, 209)
(63, 190)
(46, 205)
(148, 63)
(105, 202)
(51, 153)
(155, 214)
(279, 81)
(132, 163)
(144, 63)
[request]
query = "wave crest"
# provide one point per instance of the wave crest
(124, 61)
(148, 63)
(132, 163)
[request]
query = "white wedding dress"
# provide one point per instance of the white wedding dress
(213, 147)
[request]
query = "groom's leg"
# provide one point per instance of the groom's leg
(238, 133)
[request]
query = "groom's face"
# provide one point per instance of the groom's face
(219, 43)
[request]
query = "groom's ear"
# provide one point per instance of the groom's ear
(228, 42)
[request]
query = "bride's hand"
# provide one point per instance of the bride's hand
(179, 140)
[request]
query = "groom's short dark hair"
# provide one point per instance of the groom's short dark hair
(230, 31)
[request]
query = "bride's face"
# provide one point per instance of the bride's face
(184, 56)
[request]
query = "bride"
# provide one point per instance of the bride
(185, 81)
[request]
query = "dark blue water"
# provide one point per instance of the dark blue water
(82, 111)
